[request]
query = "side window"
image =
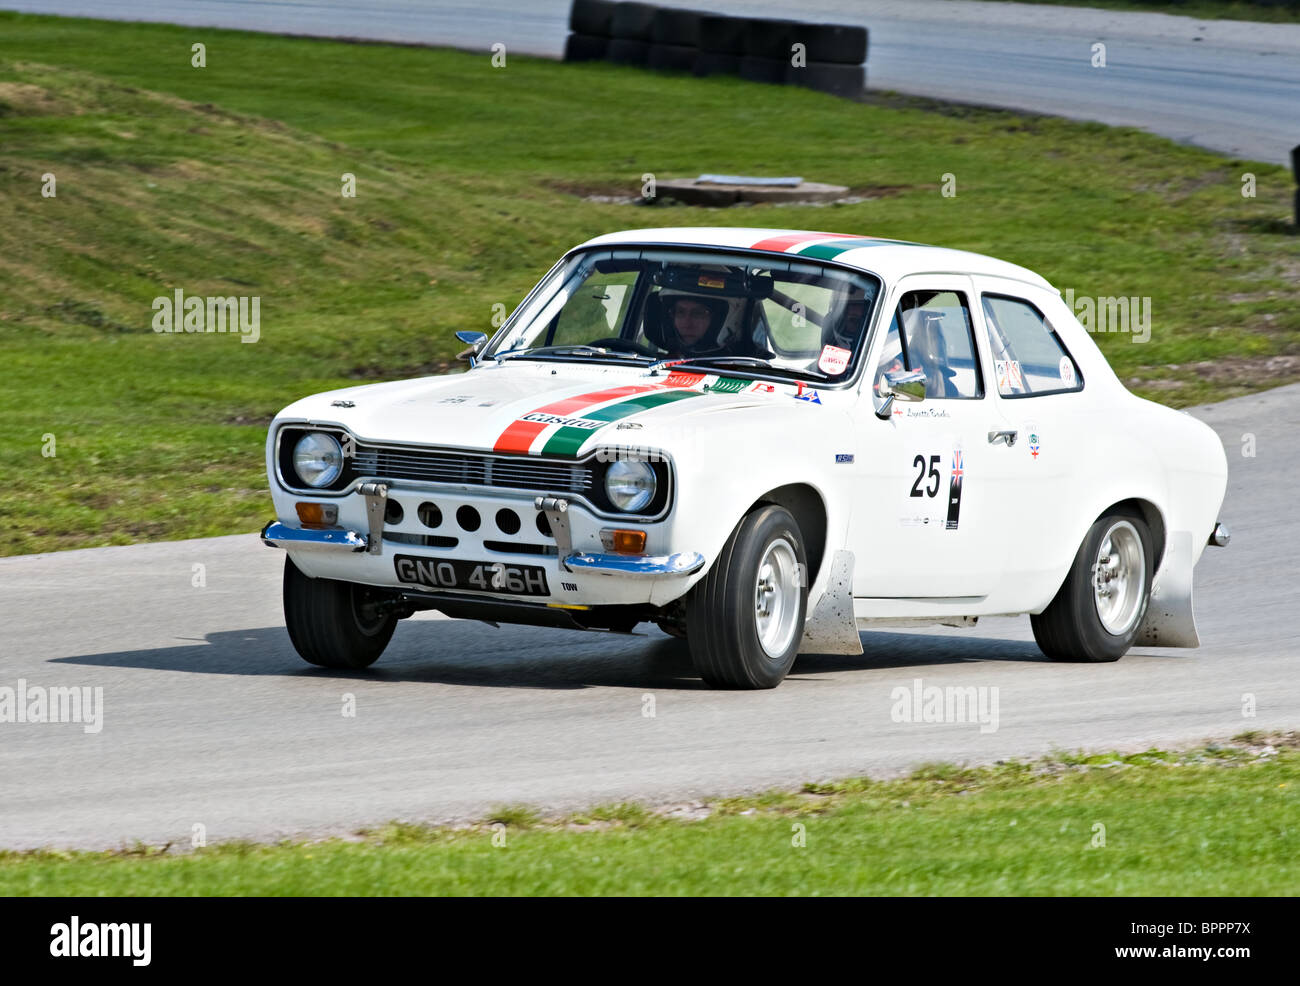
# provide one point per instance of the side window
(937, 339)
(1029, 358)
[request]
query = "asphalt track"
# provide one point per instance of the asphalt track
(210, 718)
(1230, 86)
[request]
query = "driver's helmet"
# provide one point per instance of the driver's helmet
(693, 324)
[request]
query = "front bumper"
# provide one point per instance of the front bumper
(341, 540)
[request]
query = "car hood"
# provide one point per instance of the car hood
(536, 407)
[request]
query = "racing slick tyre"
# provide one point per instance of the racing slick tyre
(632, 21)
(1096, 614)
(591, 17)
(673, 26)
(757, 69)
(716, 63)
(585, 48)
(744, 619)
(722, 34)
(840, 44)
(672, 58)
(838, 80)
(622, 52)
(334, 624)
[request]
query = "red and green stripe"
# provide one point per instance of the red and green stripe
(567, 439)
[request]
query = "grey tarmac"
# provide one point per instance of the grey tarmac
(210, 718)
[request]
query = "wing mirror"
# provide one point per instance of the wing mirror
(904, 385)
(475, 341)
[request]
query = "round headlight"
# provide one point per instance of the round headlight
(630, 484)
(318, 458)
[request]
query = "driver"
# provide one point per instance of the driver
(692, 324)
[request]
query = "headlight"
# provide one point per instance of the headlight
(630, 484)
(318, 458)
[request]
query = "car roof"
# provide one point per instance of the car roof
(888, 258)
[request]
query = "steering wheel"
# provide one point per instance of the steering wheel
(625, 345)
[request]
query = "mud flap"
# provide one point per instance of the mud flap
(1170, 621)
(831, 628)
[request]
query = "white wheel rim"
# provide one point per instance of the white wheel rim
(1119, 578)
(776, 598)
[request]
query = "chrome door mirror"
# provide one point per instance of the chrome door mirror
(475, 341)
(904, 385)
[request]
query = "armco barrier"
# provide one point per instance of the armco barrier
(826, 57)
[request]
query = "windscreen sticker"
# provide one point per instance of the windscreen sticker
(1067, 371)
(833, 360)
(1010, 379)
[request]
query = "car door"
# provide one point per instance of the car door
(1036, 391)
(936, 494)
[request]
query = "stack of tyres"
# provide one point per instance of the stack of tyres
(590, 22)
(828, 57)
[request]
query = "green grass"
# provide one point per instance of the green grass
(1277, 11)
(471, 181)
(1219, 820)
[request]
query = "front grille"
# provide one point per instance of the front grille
(489, 471)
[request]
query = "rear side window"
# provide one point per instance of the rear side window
(1029, 359)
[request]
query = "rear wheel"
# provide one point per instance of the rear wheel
(1096, 614)
(744, 619)
(336, 624)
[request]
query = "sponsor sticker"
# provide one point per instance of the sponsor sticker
(711, 282)
(806, 393)
(1066, 370)
(846, 457)
(833, 360)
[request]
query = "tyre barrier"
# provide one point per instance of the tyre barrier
(827, 57)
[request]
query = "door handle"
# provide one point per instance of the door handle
(1008, 437)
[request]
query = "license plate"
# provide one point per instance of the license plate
(480, 576)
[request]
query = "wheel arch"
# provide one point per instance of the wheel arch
(807, 506)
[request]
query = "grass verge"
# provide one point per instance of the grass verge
(225, 180)
(1222, 819)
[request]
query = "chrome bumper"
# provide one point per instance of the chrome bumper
(637, 566)
(277, 535)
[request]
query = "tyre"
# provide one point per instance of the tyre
(592, 17)
(722, 34)
(838, 80)
(632, 21)
(335, 624)
(676, 58)
(1096, 614)
(622, 52)
(757, 69)
(585, 48)
(744, 619)
(673, 26)
(716, 63)
(840, 44)
(766, 37)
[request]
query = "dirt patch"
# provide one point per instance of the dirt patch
(25, 99)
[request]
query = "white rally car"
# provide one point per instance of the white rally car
(762, 441)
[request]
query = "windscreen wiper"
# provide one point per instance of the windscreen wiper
(754, 361)
(598, 351)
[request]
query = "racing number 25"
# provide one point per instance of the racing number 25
(919, 464)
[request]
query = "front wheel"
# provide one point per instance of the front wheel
(744, 619)
(1098, 609)
(335, 624)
